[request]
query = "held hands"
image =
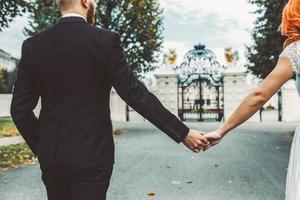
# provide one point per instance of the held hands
(214, 138)
(195, 141)
(198, 141)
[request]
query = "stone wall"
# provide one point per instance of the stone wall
(117, 107)
(165, 90)
(5, 101)
(236, 88)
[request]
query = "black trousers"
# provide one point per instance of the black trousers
(71, 183)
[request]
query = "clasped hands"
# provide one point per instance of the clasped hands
(198, 141)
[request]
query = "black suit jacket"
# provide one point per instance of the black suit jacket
(72, 67)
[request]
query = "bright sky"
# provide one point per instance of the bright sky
(216, 23)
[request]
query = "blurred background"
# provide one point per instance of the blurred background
(200, 58)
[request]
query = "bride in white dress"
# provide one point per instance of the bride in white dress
(287, 67)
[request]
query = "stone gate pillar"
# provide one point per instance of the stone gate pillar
(236, 88)
(166, 88)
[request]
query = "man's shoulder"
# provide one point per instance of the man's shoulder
(27, 42)
(103, 31)
(97, 31)
(35, 37)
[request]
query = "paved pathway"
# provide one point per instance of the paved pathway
(11, 140)
(250, 164)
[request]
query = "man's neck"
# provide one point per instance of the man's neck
(73, 14)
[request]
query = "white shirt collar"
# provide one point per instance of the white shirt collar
(73, 15)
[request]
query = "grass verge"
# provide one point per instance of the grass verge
(14, 156)
(7, 128)
(17, 155)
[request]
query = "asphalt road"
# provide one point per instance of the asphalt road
(250, 164)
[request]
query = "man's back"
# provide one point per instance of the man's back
(72, 67)
(67, 66)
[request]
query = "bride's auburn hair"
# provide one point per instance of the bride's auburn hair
(290, 25)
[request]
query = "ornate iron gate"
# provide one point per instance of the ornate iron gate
(200, 86)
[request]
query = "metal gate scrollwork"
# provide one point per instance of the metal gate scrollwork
(200, 86)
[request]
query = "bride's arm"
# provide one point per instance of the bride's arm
(259, 96)
(255, 100)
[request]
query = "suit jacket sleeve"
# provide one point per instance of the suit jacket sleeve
(24, 100)
(133, 92)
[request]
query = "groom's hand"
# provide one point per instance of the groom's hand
(214, 138)
(195, 141)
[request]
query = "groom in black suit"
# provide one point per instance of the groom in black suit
(72, 67)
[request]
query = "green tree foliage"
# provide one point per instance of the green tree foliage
(138, 22)
(44, 14)
(140, 25)
(9, 9)
(268, 42)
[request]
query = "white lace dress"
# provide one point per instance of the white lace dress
(292, 52)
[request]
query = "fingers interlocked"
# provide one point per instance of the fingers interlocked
(196, 141)
(200, 143)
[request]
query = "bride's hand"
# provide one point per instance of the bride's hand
(214, 138)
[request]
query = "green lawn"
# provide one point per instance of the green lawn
(5, 120)
(7, 127)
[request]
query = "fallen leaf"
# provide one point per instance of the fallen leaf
(151, 193)
(119, 132)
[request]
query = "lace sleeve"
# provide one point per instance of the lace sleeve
(293, 54)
